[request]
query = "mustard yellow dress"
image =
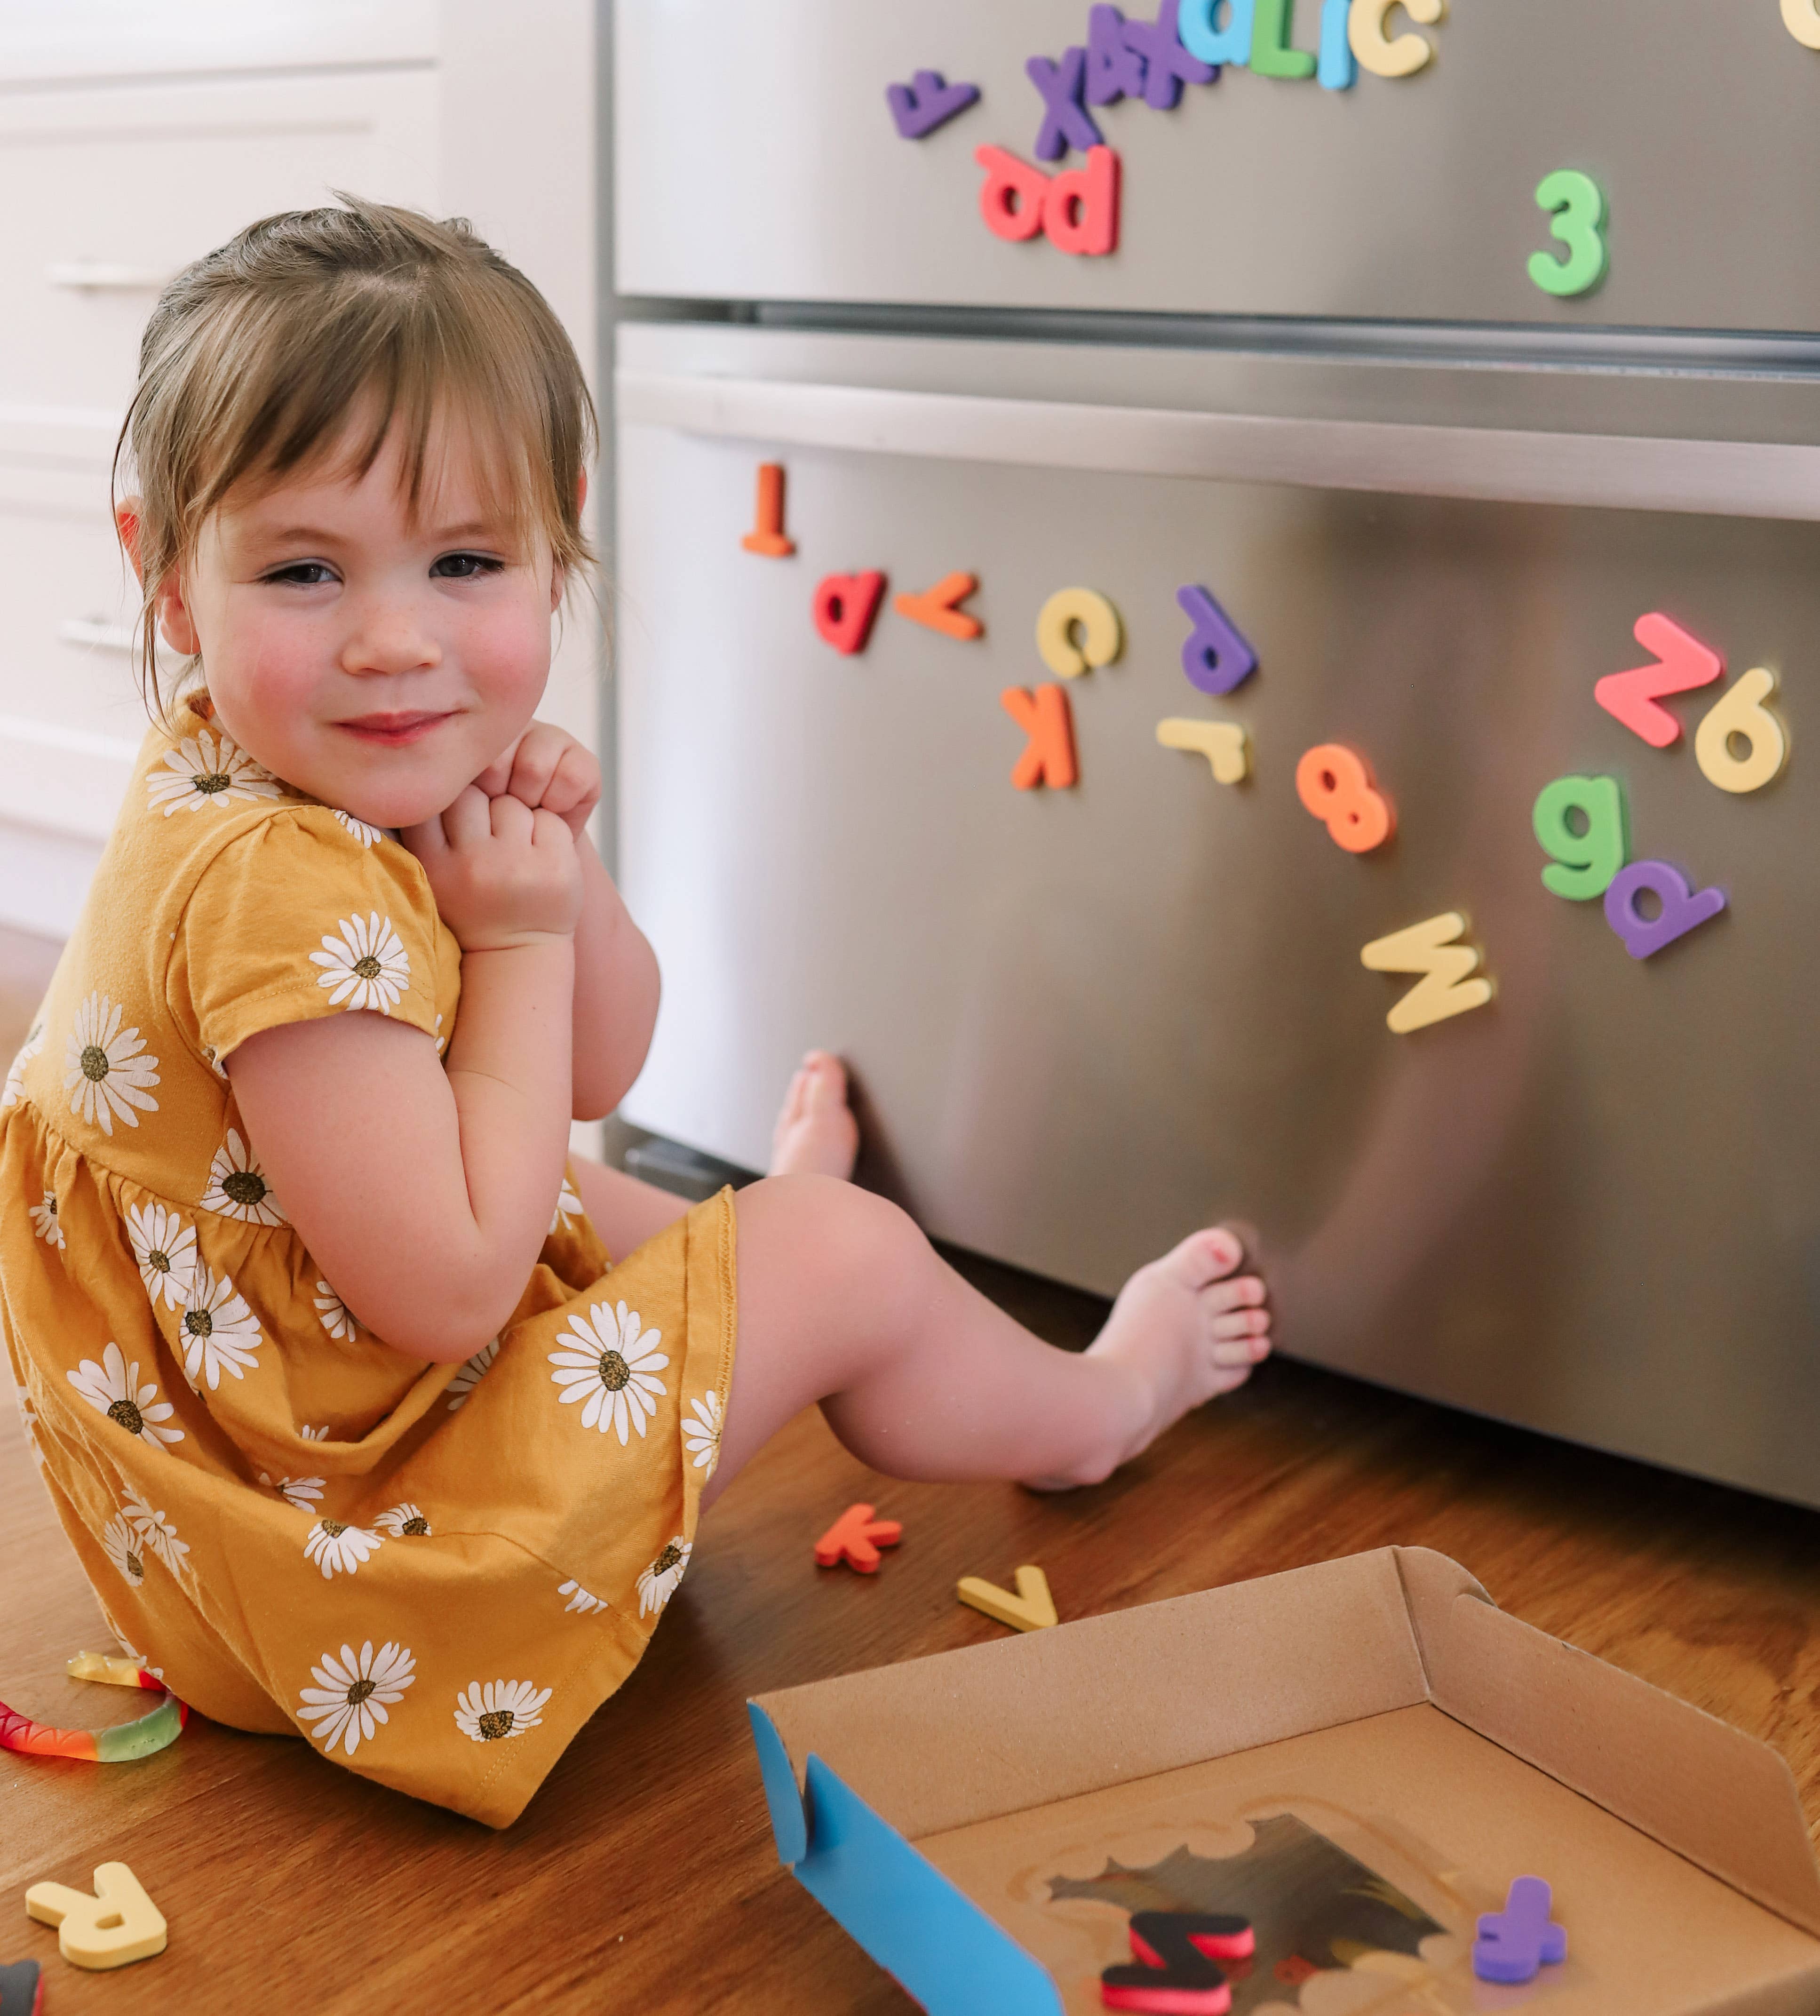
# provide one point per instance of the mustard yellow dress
(434, 1573)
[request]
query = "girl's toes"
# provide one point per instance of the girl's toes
(1240, 1323)
(1247, 1292)
(1203, 1258)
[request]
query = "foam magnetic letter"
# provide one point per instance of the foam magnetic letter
(1229, 44)
(938, 608)
(1681, 911)
(766, 536)
(1514, 1943)
(1683, 664)
(1011, 198)
(1270, 53)
(1032, 1609)
(1339, 71)
(1584, 863)
(1066, 122)
(1175, 1969)
(120, 1923)
(845, 605)
(1447, 986)
(1080, 208)
(1216, 656)
(1114, 69)
(1223, 743)
(1375, 49)
(855, 1538)
(1167, 65)
(1741, 712)
(920, 107)
(1044, 717)
(1101, 635)
(1802, 20)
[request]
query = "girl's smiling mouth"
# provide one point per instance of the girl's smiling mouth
(395, 731)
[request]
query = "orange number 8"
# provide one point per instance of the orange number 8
(1336, 787)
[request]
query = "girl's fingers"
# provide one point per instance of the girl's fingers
(574, 785)
(426, 841)
(510, 819)
(467, 821)
(549, 829)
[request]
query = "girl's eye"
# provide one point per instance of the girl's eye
(464, 567)
(303, 574)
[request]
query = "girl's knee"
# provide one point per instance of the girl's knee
(851, 1241)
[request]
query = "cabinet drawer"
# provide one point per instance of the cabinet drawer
(112, 190)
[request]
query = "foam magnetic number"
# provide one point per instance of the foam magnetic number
(1802, 20)
(1577, 205)
(1741, 714)
(1102, 636)
(1587, 859)
(1334, 784)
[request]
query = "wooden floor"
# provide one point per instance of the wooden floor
(642, 1877)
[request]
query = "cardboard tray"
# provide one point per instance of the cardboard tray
(951, 1811)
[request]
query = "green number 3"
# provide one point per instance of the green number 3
(1577, 204)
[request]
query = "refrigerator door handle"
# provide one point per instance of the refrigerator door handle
(1622, 472)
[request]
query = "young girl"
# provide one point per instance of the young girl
(368, 1418)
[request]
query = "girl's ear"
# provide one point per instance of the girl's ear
(126, 522)
(172, 614)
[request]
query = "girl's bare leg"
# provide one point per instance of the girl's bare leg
(816, 1135)
(844, 1302)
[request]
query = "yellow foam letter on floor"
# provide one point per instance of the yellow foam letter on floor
(1376, 50)
(1447, 987)
(1032, 1609)
(118, 1924)
(1222, 743)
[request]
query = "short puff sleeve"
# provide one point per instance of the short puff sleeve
(301, 916)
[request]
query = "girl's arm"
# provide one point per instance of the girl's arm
(616, 982)
(424, 1193)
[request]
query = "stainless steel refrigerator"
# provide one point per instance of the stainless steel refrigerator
(1316, 381)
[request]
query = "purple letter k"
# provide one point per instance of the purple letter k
(1167, 64)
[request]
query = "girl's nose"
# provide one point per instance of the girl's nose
(389, 641)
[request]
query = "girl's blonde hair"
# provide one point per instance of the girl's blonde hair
(318, 329)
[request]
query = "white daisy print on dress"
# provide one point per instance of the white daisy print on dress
(44, 1220)
(237, 1185)
(500, 1709)
(28, 1421)
(352, 1694)
(164, 1252)
(121, 1545)
(405, 1522)
(568, 1206)
(15, 1088)
(441, 1040)
(580, 1600)
(305, 1492)
(473, 1370)
(315, 1435)
(155, 1529)
(366, 834)
(367, 966)
(218, 1331)
(701, 1436)
(206, 769)
(106, 1070)
(331, 1312)
(657, 1584)
(113, 1388)
(611, 1368)
(337, 1548)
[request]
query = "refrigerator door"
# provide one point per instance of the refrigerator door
(1084, 1021)
(756, 159)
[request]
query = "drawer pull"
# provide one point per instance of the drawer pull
(97, 636)
(106, 276)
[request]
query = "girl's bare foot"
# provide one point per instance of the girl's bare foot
(1188, 1330)
(816, 1133)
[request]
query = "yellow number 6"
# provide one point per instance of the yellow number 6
(1578, 205)
(1802, 20)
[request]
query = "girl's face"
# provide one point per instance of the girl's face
(377, 660)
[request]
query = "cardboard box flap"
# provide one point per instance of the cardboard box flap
(1722, 1799)
(1053, 1713)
